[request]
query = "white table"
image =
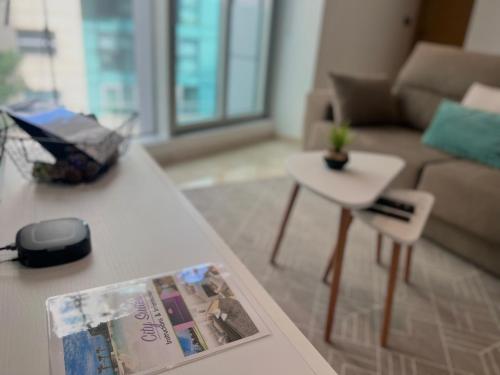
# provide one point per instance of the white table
(357, 186)
(401, 233)
(141, 225)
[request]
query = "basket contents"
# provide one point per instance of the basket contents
(79, 148)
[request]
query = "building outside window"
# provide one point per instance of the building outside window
(196, 59)
(221, 50)
(35, 41)
(83, 54)
(108, 42)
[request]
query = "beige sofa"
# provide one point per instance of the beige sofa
(466, 216)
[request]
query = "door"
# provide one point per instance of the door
(444, 21)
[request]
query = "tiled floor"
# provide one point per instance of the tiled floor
(261, 160)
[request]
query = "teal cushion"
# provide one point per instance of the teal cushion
(466, 133)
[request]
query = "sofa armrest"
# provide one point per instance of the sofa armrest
(317, 104)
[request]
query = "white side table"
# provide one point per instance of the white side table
(401, 233)
(362, 181)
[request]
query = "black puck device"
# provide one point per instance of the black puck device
(53, 242)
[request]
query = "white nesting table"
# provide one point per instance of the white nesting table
(141, 225)
(361, 182)
(401, 233)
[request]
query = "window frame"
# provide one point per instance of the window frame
(221, 119)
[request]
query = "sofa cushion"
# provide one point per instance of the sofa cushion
(482, 97)
(465, 132)
(441, 72)
(418, 106)
(363, 100)
(390, 139)
(448, 71)
(467, 196)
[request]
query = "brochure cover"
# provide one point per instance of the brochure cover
(149, 325)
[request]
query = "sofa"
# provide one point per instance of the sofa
(466, 216)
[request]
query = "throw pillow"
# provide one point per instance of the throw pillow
(465, 132)
(486, 98)
(363, 100)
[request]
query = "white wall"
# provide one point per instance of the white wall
(483, 34)
(294, 60)
(365, 37)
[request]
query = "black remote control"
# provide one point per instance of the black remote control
(396, 204)
(390, 214)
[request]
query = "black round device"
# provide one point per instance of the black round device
(53, 242)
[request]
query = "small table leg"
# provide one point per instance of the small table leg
(379, 247)
(331, 261)
(329, 266)
(391, 286)
(337, 257)
(408, 263)
(284, 221)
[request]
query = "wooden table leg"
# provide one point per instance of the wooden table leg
(379, 246)
(284, 221)
(408, 263)
(331, 261)
(345, 222)
(329, 266)
(391, 286)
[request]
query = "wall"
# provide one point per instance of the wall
(294, 59)
(206, 142)
(484, 29)
(365, 37)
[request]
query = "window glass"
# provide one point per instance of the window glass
(220, 61)
(197, 40)
(76, 53)
(245, 63)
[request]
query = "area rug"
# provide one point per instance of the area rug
(445, 321)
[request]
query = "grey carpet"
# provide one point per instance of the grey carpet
(446, 321)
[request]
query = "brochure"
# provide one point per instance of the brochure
(149, 325)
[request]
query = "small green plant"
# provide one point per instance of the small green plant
(340, 136)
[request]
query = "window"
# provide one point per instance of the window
(220, 62)
(112, 58)
(114, 98)
(108, 41)
(34, 41)
(196, 35)
(115, 51)
(189, 100)
(42, 95)
(76, 53)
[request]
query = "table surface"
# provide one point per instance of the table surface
(141, 225)
(357, 186)
(404, 232)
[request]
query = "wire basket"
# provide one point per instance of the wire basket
(3, 137)
(35, 162)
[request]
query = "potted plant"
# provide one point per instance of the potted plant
(340, 136)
